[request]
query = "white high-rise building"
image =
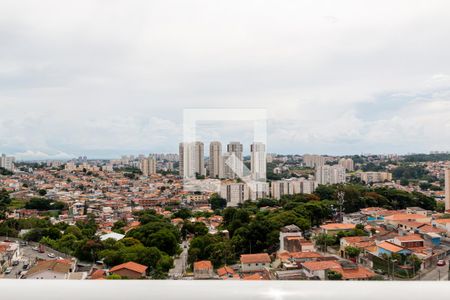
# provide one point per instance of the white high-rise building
(330, 174)
(258, 190)
(279, 188)
(215, 165)
(199, 158)
(192, 160)
(258, 161)
(347, 163)
(313, 161)
(7, 162)
(234, 193)
(447, 189)
(292, 186)
(235, 157)
(148, 166)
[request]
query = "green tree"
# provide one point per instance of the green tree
(333, 275)
(352, 252)
(217, 202)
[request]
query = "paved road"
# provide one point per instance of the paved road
(180, 263)
(438, 273)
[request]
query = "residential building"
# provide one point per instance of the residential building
(50, 269)
(375, 177)
(234, 193)
(313, 161)
(203, 270)
(7, 162)
(290, 239)
(389, 248)
(334, 228)
(258, 161)
(129, 270)
(192, 161)
(215, 164)
(254, 262)
(258, 190)
(148, 166)
(347, 163)
(233, 161)
(280, 188)
(330, 174)
(396, 219)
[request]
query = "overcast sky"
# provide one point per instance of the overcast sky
(104, 78)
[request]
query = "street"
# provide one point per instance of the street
(438, 273)
(180, 263)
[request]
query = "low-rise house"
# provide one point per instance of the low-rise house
(334, 228)
(443, 224)
(348, 270)
(98, 274)
(364, 243)
(290, 237)
(389, 248)
(298, 257)
(254, 262)
(203, 269)
(130, 270)
(409, 241)
(395, 219)
(227, 272)
(50, 269)
(318, 269)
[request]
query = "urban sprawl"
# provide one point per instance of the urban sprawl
(227, 215)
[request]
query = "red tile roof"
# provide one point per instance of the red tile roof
(138, 268)
(338, 226)
(321, 265)
(410, 238)
(225, 271)
(255, 258)
(390, 247)
(203, 265)
(255, 276)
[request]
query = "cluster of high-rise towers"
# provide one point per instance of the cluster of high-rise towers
(221, 164)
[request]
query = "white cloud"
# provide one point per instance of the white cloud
(105, 77)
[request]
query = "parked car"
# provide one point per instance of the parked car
(51, 255)
(23, 243)
(15, 263)
(441, 263)
(35, 248)
(25, 266)
(8, 270)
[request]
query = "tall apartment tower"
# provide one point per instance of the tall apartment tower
(192, 159)
(148, 166)
(236, 169)
(181, 156)
(258, 161)
(199, 158)
(447, 189)
(313, 161)
(347, 163)
(7, 162)
(330, 174)
(215, 160)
